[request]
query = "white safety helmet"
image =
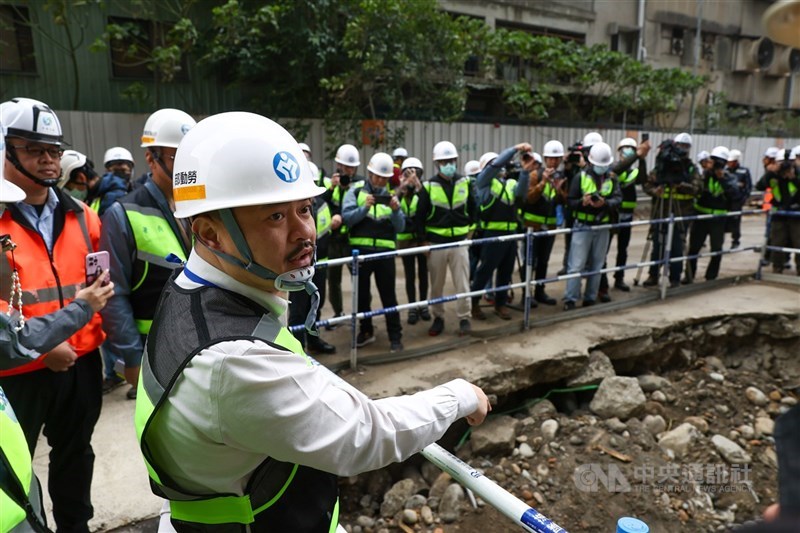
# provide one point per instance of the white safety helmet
(735, 155)
(683, 138)
(400, 152)
(411, 162)
(553, 149)
(486, 159)
(771, 152)
(796, 152)
(70, 161)
(703, 155)
(347, 155)
(444, 150)
(381, 164)
(117, 153)
(537, 157)
(627, 141)
(472, 167)
(304, 147)
(591, 138)
(9, 192)
(166, 127)
(314, 169)
(239, 159)
(720, 152)
(601, 155)
(32, 120)
(781, 155)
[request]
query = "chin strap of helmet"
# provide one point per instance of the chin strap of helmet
(11, 155)
(157, 156)
(298, 279)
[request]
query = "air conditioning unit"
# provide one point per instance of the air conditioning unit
(787, 62)
(753, 55)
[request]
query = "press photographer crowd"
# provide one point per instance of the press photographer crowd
(192, 243)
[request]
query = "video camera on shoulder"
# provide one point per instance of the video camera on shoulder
(574, 153)
(671, 164)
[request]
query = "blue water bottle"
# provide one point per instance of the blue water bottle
(628, 524)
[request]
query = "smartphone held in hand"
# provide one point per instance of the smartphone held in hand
(96, 264)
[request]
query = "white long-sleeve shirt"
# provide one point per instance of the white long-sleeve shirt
(238, 402)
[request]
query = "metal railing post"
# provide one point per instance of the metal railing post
(762, 257)
(526, 322)
(353, 320)
(667, 255)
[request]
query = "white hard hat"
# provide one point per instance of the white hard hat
(347, 155)
(537, 157)
(117, 153)
(32, 120)
(70, 161)
(400, 152)
(553, 149)
(771, 152)
(314, 168)
(720, 152)
(781, 155)
(411, 162)
(472, 167)
(601, 155)
(381, 164)
(166, 127)
(239, 159)
(735, 155)
(444, 150)
(591, 138)
(9, 193)
(627, 141)
(304, 147)
(796, 152)
(683, 138)
(703, 155)
(486, 159)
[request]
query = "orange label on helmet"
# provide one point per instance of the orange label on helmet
(148, 139)
(192, 192)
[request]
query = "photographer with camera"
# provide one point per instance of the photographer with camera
(782, 177)
(343, 179)
(496, 193)
(574, 163)
(374, 218)
(543, 190)
(592, 197)
(673, 184)
(745, 183)
(719, 190)
(410, 237)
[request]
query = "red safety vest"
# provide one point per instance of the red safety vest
(48, 284)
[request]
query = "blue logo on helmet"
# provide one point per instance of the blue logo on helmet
(286, 167)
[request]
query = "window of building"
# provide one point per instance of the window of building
(132, 42)
(672, 40)
(16, 40)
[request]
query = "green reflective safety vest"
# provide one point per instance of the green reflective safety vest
(323, 219)
(376, 230)
(409, 209)
(627, 184)
(544, 210)
(20, 508)
(777, 192)
(95, 205)
(712, 200)
(499, 213)
(669, 193)
(588, 186)
(279, 496)
(448, 218)
(338, 195)
(155, 240)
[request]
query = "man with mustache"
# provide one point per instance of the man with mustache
(239, 427)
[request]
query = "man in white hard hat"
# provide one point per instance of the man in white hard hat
(116, 182)
(78, 177)
(783, 180)
(140, 232)
(447, 213)
(60, 391)
(374, 219)
(745, 184)
(238, 426)
(398, 156)
(415, 267)
(346, 176)
(593, 195)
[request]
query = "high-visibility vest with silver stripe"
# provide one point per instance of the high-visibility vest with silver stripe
(279, 496)
(627, 183)
(588, 186)
(409, 209)
(448, 217)
(376, 229)
(543, 211)
(499, 212)
(712, 200)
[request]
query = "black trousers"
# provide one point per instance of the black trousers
(416, 268)
(385, 273)
(499, 256)
(67, 404)
(714, 229)
(733, 225)
(301, 304)
(623, 235)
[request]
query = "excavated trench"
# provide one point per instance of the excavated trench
(690, 369)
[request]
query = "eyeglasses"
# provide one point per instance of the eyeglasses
(38, 151)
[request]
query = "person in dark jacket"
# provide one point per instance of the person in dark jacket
(745, 183)
(781, 177)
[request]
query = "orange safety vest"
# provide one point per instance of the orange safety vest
(767, 203)
(50, 284)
